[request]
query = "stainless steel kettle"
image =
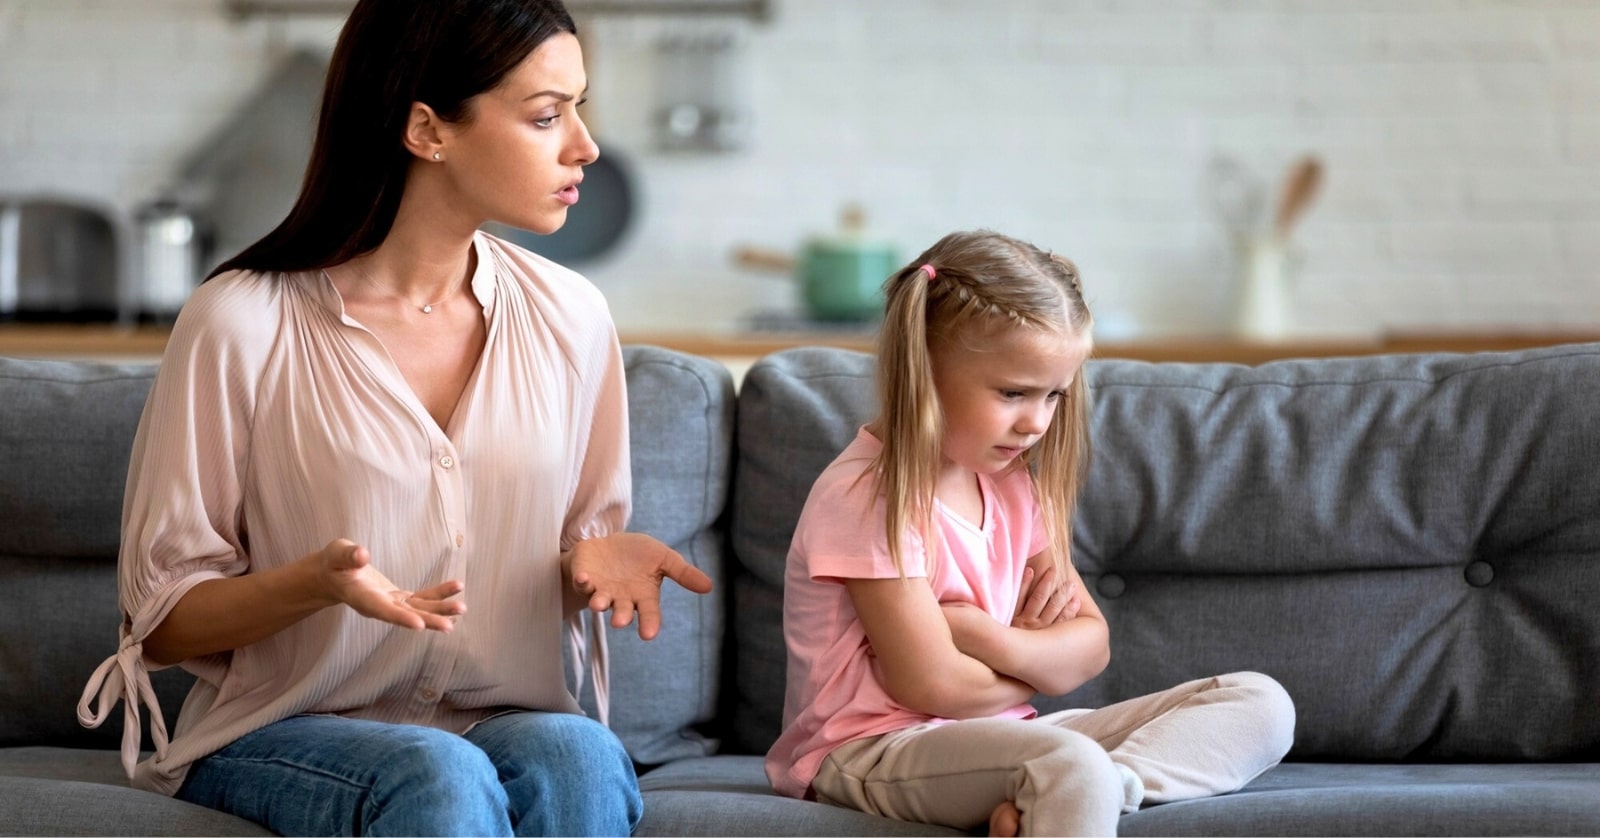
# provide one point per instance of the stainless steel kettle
(169, 248)
(58, 261)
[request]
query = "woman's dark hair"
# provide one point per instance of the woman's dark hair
(390, 54)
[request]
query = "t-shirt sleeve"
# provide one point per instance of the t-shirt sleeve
(842, 531)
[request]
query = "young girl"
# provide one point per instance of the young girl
(912, 658)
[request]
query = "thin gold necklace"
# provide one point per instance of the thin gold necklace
(426, 308)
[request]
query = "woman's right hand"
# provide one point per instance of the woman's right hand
(345, 571)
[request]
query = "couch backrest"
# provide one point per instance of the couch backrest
(664, 693)
(65, 433)
(1410, 544)
(66, 429)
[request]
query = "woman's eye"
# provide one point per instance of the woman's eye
(545, 121)
(1012, 394)
(1057, 395)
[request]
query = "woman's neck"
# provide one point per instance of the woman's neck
(425, 256)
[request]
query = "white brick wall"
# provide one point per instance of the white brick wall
(1461, 137)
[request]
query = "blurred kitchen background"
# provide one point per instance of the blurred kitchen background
(1457, 144)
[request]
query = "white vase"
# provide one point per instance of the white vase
(1265, 302)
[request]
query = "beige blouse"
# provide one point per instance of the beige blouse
(277, 424)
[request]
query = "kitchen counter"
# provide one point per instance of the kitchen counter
(105, 342)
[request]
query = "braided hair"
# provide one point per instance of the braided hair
(966, 284)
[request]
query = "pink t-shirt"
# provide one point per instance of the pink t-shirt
(834, 693)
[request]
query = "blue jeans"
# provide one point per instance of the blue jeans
(524, 773)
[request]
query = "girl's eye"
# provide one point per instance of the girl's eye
(1012, 394)
(1057, 395)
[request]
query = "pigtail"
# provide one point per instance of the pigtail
(1061, 462)
(1060, 466)
(910, 424)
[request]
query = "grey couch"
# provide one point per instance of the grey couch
(1410, 544)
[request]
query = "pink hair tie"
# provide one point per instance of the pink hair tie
(928, 269)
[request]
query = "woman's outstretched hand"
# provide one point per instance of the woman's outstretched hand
(622, 573)
(349, 577)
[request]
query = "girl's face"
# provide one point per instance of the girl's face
(1000, 393)
(519, 156)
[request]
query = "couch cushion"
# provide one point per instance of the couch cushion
(1408, 543)
(65, 433)
(32, 806)
(797, 410)
(729, 795)
(66, 429)
(1344, 799)
(680, 414)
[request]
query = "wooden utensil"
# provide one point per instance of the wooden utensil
(1305, 178)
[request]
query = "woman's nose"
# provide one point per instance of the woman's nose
(581, 147)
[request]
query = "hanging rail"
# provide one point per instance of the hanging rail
(760, 10)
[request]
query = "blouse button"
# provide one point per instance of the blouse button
(460, 539)
(428, 694)
(447, 461)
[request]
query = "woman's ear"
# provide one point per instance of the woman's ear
(425, 133)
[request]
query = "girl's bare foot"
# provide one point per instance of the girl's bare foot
(1005, 821)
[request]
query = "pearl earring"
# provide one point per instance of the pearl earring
(438, 156)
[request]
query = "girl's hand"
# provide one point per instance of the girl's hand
(346, 573)
(1044, 601)
(622, 573)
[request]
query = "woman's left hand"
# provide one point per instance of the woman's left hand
(622, 573)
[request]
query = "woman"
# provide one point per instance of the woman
(386, 458)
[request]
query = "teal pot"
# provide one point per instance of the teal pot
(841, 279)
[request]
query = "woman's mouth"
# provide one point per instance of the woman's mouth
(568, 195)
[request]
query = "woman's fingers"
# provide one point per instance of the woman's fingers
(441, 607)
(690, 577)
(649, 619)
(621, 613)
(441, 591)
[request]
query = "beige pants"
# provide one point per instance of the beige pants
(1201, 738)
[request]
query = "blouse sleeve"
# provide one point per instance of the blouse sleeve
(603, 497)
(180, 516)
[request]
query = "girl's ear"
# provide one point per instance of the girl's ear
(425, 133)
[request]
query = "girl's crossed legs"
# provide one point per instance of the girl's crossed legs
(522, 773)
(1200, 738)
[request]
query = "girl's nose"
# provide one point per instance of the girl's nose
(1035, 420)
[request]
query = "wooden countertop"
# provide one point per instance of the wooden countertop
(147, 342)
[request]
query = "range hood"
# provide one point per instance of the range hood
(755, 9)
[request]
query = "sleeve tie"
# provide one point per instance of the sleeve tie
(124, 676)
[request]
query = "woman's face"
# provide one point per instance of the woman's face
(518, 157)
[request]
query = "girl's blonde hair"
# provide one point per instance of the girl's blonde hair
(979, 280)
